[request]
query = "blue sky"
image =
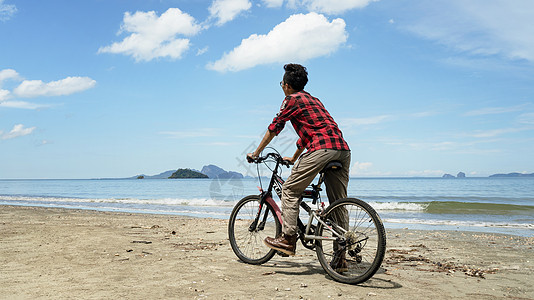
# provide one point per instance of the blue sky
(92, 89)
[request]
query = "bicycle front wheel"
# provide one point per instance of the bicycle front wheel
(247, 243)
(356, 252)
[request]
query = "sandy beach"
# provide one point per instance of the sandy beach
(60, 254)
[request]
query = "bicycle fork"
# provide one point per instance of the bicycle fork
(266, 200)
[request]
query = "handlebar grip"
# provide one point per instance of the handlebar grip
(286, 163)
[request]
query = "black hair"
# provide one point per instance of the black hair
(296, 76)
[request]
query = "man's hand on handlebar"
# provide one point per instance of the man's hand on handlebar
(289, 160)
(251, 158)
(286, 161)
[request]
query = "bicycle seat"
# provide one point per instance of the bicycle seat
(332, 166)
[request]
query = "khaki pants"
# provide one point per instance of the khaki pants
(302, 175)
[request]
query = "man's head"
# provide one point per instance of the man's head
(296, 76)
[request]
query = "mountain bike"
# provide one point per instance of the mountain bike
(348, 235)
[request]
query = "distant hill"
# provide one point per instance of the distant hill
(163, 175)
(460, 175)
(513, 175)
(209, 171)
(216, 172)
(187, 173)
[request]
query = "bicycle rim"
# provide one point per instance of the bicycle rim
(362, 246)
(248, 245)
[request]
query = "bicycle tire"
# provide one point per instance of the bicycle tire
(248, 245)
(365, 244)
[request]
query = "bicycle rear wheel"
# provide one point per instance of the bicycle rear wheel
(248, 244)
(357, 254)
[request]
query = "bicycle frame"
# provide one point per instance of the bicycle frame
(276, 183)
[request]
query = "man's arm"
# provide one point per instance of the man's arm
(295, 156)
(267, 138)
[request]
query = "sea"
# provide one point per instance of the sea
(491, 205)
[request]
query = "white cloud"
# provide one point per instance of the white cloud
(363, 169)
(154, 37)
(4, 94)
(67, 86)
(321, 6)
(423, 114)
(380, 119)
(349, 122)
(22, 105)
(6, 11)
(226, 10)
(8, 74)
(362, 165)
(335, 6)
(526, 118)
(477, 27)
(38, 88)
(202, 50)
(17, 131)
(495, 110)
(299, 38)
(273, 3)
(494, 132)
(44, 143)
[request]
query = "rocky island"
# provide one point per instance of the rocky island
(515, 174)
(460, 175)
(209, 171)
(187, 173)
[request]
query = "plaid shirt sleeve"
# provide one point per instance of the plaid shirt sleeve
(287, 111)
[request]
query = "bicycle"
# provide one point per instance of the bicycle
(347, 230)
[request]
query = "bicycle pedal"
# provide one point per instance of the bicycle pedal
(282, 254)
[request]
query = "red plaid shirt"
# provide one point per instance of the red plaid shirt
(312, 122)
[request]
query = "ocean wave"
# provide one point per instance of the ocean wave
(461, 223)
(169, 211)
(449, 198)
(429, 207)
(125, 201)
(398, 206)
(455, 207)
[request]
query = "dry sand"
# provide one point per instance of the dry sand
(60, 254)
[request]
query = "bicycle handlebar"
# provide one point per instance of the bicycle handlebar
(274, 155)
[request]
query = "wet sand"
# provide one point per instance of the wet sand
(60, 254)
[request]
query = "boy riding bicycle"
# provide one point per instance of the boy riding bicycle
(320, 135)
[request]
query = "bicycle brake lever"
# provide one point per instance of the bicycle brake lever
(286, 163)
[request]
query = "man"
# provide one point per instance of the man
(319, 134)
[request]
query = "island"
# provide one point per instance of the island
(187, 173)
(460, 175)
(515, 174)
(209, 171)
(216, 172)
